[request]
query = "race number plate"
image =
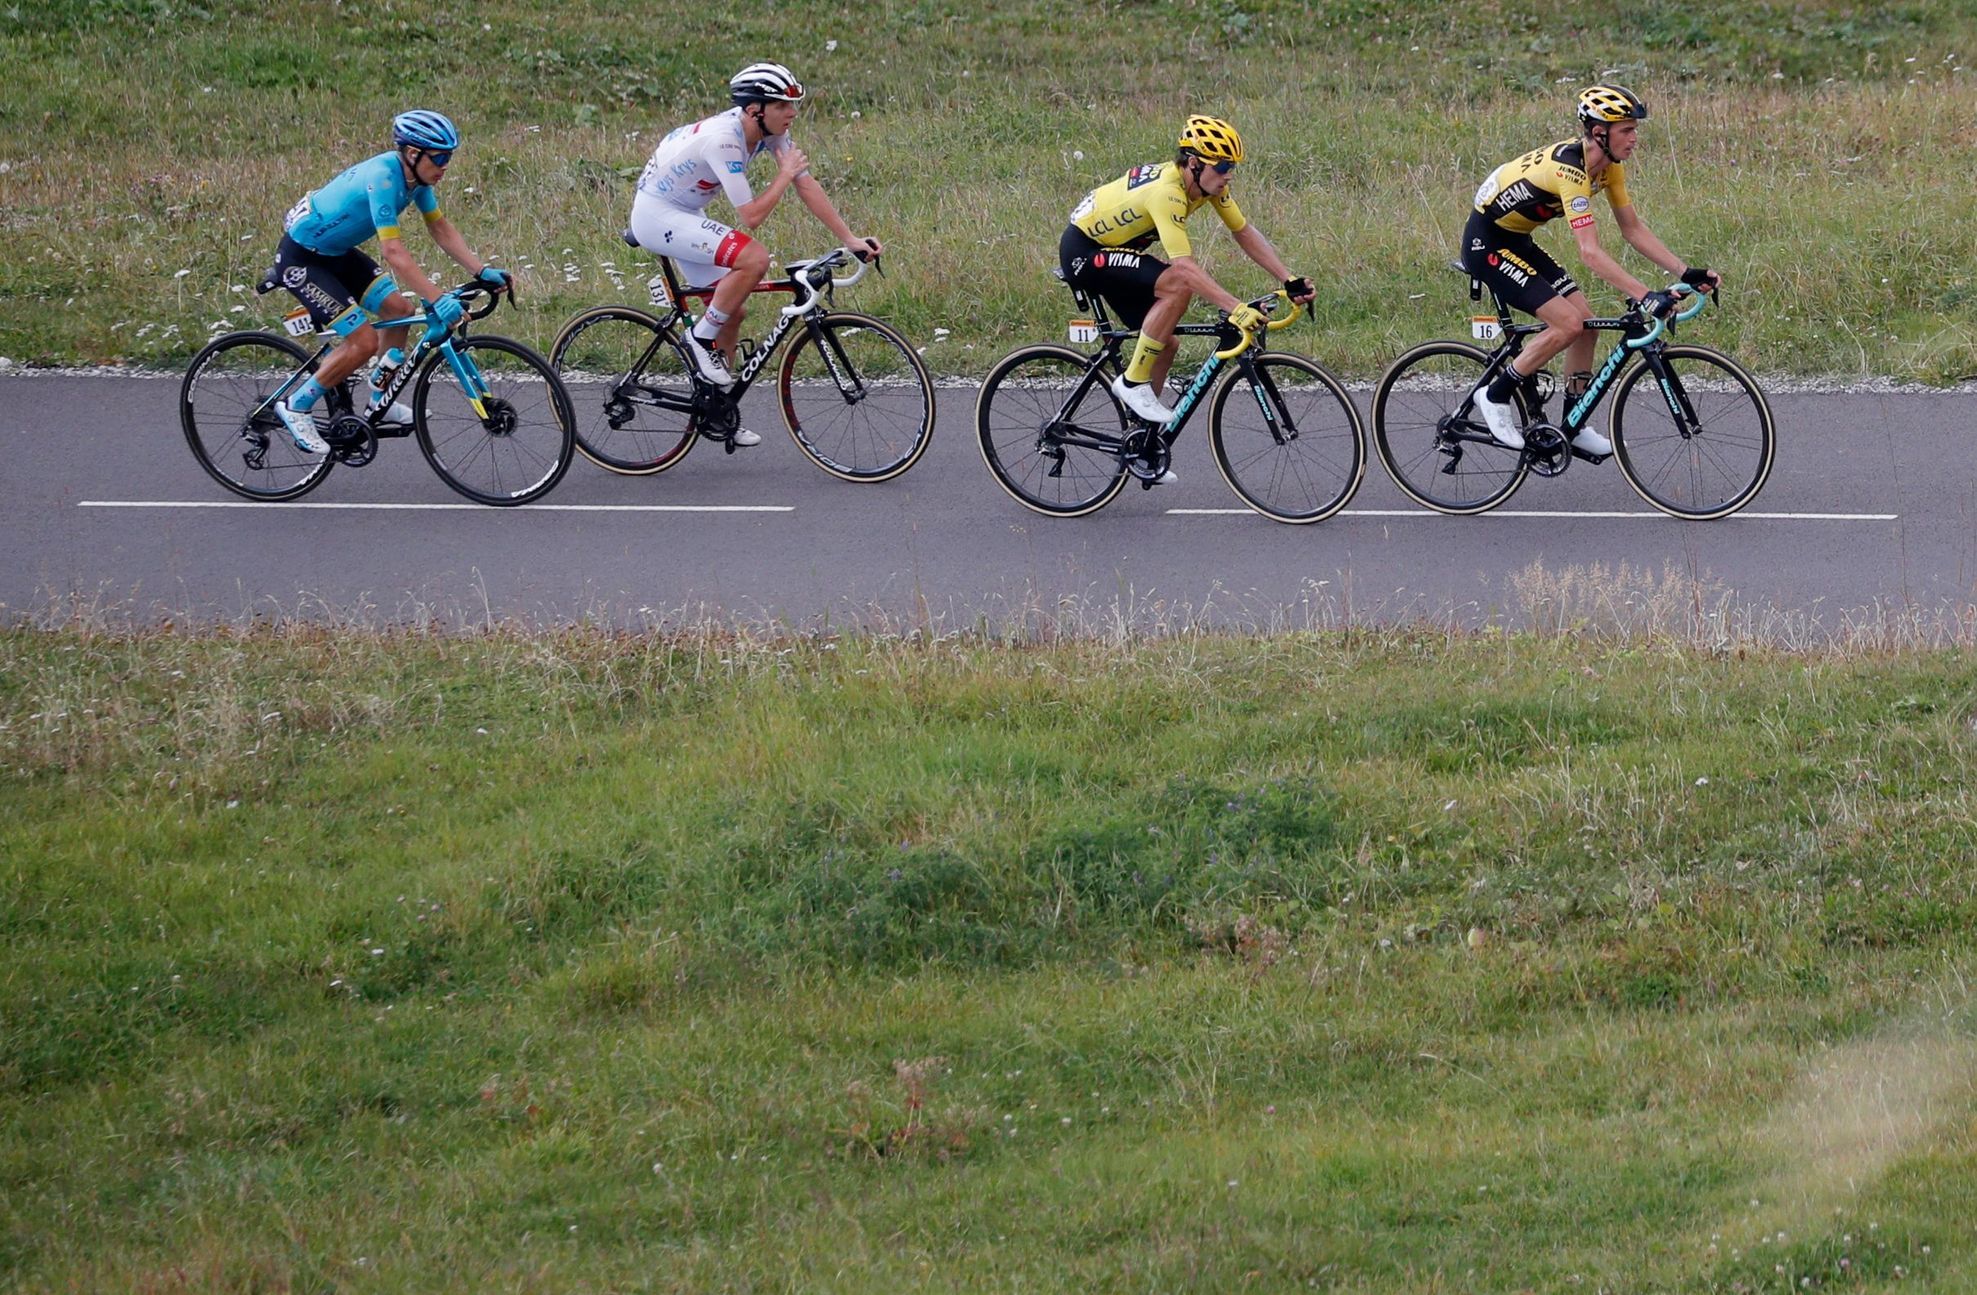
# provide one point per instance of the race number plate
(1485, 328)
(656, 287)
(1084, 330)
(297, 322)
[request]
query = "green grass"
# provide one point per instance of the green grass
(1386, 961)
(1799, 147)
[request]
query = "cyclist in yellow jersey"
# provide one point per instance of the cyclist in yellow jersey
(1105, 249)
(1521, 195)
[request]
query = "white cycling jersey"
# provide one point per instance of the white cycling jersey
(694, 163)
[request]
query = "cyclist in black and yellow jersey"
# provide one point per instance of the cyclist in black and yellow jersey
(1105, 250)
(1521, 195)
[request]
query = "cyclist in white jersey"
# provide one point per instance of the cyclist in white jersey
(696, 164)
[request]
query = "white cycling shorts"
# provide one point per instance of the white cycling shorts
(703, 249)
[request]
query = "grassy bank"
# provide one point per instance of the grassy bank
(1386, 961)
(151, 149)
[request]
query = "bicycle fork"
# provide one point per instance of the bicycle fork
(469, 374)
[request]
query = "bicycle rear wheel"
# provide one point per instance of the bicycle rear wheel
(1422, 399)
(512, 449)
(1031, 402)
(226, 406)
(631, 400)
(1294, 450)
(1712, 458)
(856, 398)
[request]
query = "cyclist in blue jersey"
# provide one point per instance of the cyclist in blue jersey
(343, 288)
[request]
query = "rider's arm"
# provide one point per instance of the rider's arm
(1251, 240)
(398, 259)
(385, 210)
(1601, 263)
(452, 244)
(821, 206)
(1643, 240)
(790, 163)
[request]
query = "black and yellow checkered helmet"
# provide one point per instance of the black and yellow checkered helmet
(1602, 105)
(1211, 138)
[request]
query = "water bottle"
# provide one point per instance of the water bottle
(382, 373)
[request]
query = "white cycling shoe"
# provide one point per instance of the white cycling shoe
(1142, 399)
(707, 362)
(1501, 419)
(745, 438)
(301, 425)
(399, 415)
(1589, 441)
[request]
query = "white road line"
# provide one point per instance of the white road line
(1521, 512)
(476, 508)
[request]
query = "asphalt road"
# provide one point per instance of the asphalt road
(102, 506)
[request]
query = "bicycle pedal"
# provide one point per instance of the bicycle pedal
(1589, 458)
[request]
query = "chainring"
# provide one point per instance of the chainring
(1147, 454)
(352, 440)
(1547, 449)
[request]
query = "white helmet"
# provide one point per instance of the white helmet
(763, 83)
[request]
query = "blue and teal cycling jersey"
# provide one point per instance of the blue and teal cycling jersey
(365, 200)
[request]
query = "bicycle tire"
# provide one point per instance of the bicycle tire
(858, 403)
(1723, 462)
(1021, 398)
(225, 411)
(594, 355)
(524, 444)
(1416, 393)
(1296, 452)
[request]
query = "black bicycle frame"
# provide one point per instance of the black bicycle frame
(1198, 386)
(1581, 411)
(757, 354)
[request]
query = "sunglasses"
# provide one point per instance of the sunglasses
(1222, 168)
(438, 157)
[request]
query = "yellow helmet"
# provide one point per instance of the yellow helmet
(1604, 104)
(1211, 138)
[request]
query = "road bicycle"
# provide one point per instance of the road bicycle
(854, 394)
(1690, 428)
(1284, 433)
(488, 412)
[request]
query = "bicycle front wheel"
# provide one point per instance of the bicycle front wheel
(226, 406)
(1697, 443)
(628, 388)
(1293, 449)
(1050, 431)
(856, 398)
(1430, 437)
(505, 443)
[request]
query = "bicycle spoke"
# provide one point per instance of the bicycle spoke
(225, 409)
(1414, 429)
(506, 444)
(1030, 403)
(1288, 444)
(859, 405)
(629, 390)
(1721, 462)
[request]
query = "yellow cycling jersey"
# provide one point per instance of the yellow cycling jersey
(1547, 183)
(1146, 203)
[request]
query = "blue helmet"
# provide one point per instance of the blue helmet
(422, 129)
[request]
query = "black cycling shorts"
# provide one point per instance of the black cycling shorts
(1512, 265)
(1124, 278)
(343, 292)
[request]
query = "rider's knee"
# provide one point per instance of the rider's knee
(752, 259)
